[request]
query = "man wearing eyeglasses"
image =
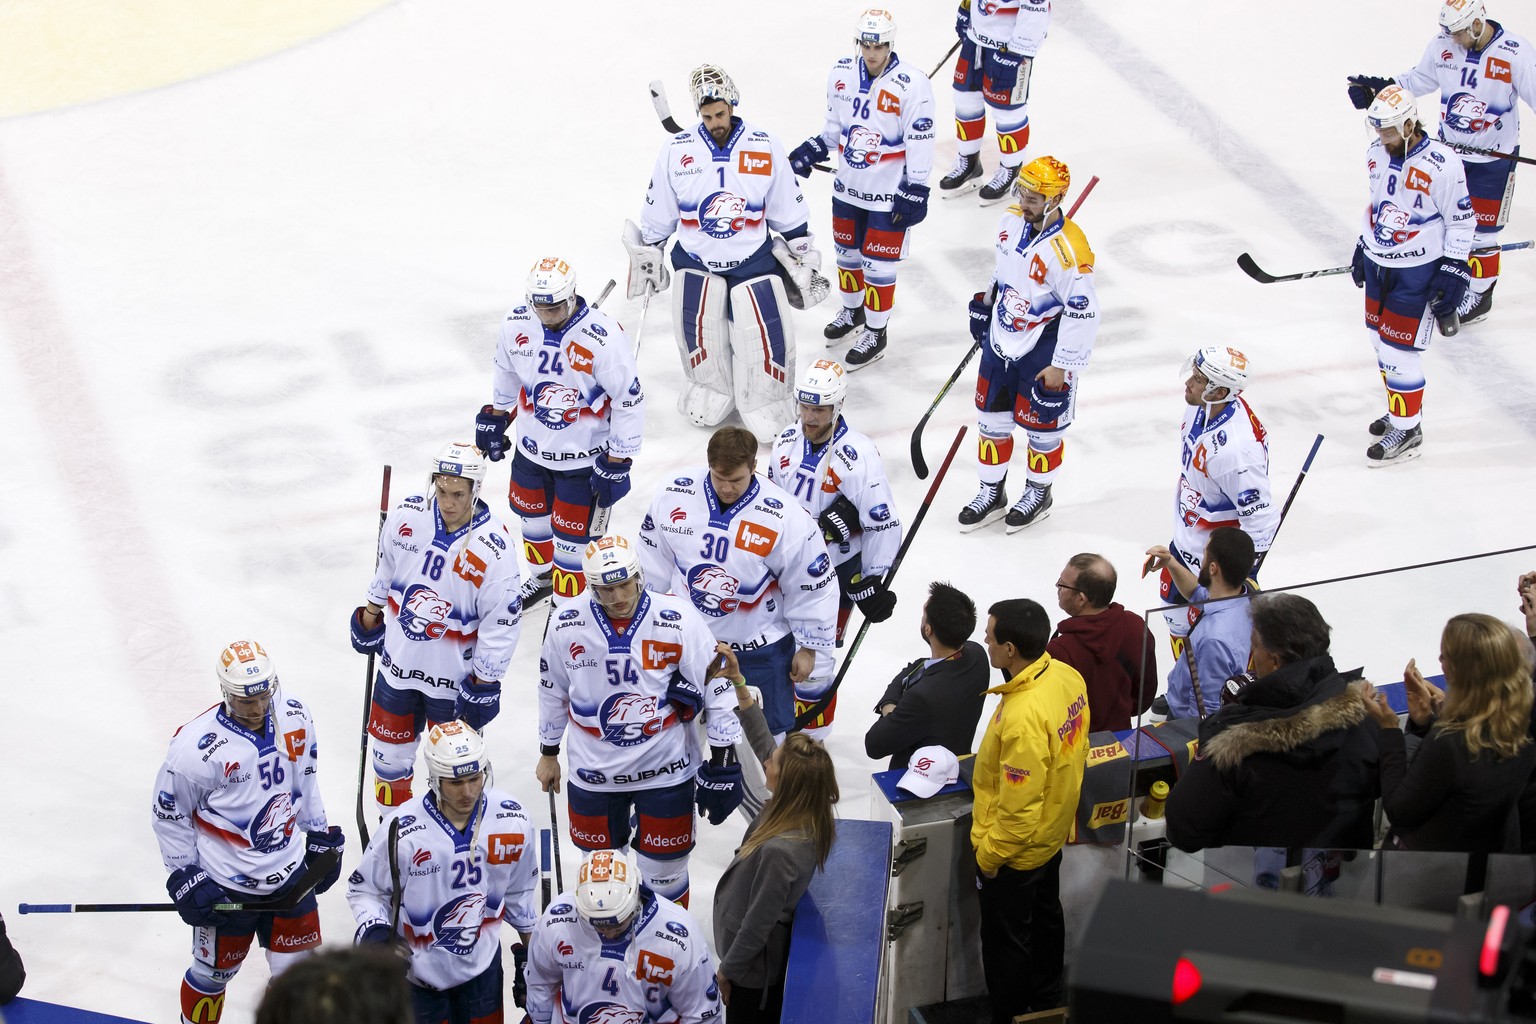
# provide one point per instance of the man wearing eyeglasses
(1111, 647)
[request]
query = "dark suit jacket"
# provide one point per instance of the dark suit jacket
(937, 706)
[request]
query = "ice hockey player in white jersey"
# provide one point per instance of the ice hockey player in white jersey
(1411, 259)
(1482, 72)
(611, 951)
(880, 118)
(836, 475)
(723, 187)
(448, 575)
(754, 563)
(998, 44)
(237, 815)
(566, 371)
(1036, 326)
(441, 876)
(624, 671)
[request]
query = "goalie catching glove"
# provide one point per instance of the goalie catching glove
(647, 264)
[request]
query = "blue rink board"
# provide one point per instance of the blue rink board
(838, 939)
(30, 1011)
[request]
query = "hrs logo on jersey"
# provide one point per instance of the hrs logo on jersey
(755, 539)
(755, 163)
(1390, 224)
(424, 613)
(660, 655)
(862, 148)
(653, 967)
(457, 923)
(722, 215)
(272, 827)
(557, 406)
(629, 719)
(713, 590)
(1013, 312)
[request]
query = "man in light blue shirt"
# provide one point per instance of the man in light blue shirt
(1220, 629)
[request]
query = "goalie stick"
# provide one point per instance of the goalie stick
(309, 876)
(919, 464)
(669, 123)
(810, 714)
(1248, 266)
(362, 757)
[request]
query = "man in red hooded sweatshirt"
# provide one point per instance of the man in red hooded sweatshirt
(1111, 647)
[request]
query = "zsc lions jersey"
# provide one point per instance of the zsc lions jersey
(848, 464)
(1480, 92)
(1420, 209)
(1044, 276)
(1020, 26)
(883, 131)
(1225, 481)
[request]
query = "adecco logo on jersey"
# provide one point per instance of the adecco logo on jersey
(755, 539)
(658, 654)
(654, 967)
(755, 163)
(504, 847)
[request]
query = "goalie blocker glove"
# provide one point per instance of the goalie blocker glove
(717, 787)
(195, 894)
(491, 432)
(839, 520)
(807, 155)
(477, 703)
(366, 641)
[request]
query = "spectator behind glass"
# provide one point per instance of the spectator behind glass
(1110, 647)
(784, 845)
(350, 985)
(1461, 791)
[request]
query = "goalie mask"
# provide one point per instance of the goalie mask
(709, 83)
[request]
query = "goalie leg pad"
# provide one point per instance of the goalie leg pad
(763, 355)
(702, 329)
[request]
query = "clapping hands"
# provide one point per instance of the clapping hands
(1425, 699)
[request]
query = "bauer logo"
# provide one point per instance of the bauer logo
(755, 539)
(755, 163)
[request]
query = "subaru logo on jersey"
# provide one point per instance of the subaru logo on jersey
(1248, 497)
(591, 776)
(629, 719)
(598, 330)
(496, 542)
(634, 387)
(273, 824)
(206, 741)
(677, 929)
(668, 615)
(862, 148)
(1078, 302)
(556, 405)
(683, 481)
(923, 124)
(649, 523)
(818, 568)
(530, 446)
(569, 614)
(852, 455)
(773, 503)
(511, 805)
(713, 590)
(167, 801)
(457, 923)
(1221, 438)
(1013, 312)
(880, 513)
(722, 215)
(1464, 203)
(424, 614)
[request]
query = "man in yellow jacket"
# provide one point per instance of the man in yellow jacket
(1027, 777)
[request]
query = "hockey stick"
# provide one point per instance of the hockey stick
(395, 893)
(554, 840)
(814, 711)
(919, 464)
(362, 757)
(944, 59)
(1286, 508)
(309, 876)
(1252, 269)
(1516, 157)
(669, 123)
(606, 289)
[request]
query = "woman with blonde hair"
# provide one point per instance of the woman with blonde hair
(784, 845)
(1461, 791)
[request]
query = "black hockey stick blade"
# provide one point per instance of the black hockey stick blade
(309, 877)
(1253, 270)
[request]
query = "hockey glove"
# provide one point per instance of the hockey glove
(195, 895)
(1002, 75)
(647, 264)
(1363, 89)
(1357, 264)
(873, 597)
(963, 21)
(806, 155)
(685, 697)
(366, 641)
(839, 521)
(717, 787)
(323, 846)
(804, 250)
(519, 975)
(911, 205)
(1045, 403)
(1235, 686)
(610, 480)
(1449, 286)
(376, 935)
(980, 309)
(491, 432)
(477, 702)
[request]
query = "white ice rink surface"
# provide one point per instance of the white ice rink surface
(226, 302)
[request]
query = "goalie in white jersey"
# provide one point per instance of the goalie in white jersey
(722, 187)
(1482, 72)
(880, 118)
(611, 951)
(836, 475)
(443, 874)
(237, 814)
(448, 574)
(748, 557)
(565, 369)
(624, 671)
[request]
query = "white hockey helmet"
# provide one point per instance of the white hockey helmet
(244, 670)
(459, 458)
(1458, 15)
(1393, 107)
(824, 382)
(551, 281)
(608, 887)
(453, 750)
(708, 83)
(876, 25)
(1222, 367)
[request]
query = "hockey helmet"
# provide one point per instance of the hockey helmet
(1222, 367)
(1458, 15)
(1046, 176)
(708, 83)
(1393, 107)
(244, 670)
(876, 26)
(551, 281)
(609, 560)
(608, 888)
(453, 751)
(824, 382)
(459, 458)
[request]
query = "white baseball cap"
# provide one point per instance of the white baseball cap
(930, 770)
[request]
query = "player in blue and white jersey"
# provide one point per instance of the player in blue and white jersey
(998, 43)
